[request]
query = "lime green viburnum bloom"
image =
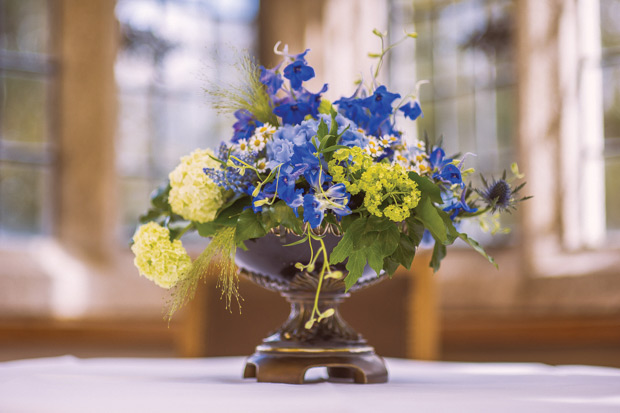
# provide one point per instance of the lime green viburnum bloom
(193, 195)
(158, 259)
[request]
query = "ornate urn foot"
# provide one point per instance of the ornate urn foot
(286, 355)
(277, 367)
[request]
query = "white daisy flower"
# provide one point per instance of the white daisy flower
(242, 145)
(374, 150)
(261, 165)
(257, 143)
(267, 130)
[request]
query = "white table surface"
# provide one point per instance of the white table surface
(69, 384)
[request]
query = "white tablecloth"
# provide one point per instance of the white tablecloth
(67, 384)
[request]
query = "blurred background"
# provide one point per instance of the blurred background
(99, 99)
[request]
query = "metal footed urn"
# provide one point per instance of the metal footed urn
(286, 355)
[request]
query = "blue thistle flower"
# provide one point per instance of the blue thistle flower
(499, 195)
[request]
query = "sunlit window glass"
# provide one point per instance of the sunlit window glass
(25, 118)
(171, 50)
(465, 49)
(610, 36)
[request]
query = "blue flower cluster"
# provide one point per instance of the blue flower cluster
(283, 162)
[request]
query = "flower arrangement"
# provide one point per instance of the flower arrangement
(300, 163)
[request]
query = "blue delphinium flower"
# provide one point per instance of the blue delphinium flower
(293, 113)
(380, 102)
(353, 108)
(245, 125)
(312, 99)
(456, 205)
(334, 198)
(298, 71)
(412, 111)
(271, 79)
(449, 173)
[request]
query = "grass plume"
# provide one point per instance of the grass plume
(249, 93)
(218, 255)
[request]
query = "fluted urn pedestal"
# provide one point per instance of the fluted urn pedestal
(286, 355)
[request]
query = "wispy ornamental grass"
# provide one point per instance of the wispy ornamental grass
(220, 253)
(249, 93)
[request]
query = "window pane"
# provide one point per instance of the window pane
(170, 51)
(24, 25)
(610, 26)
(23, 110)
(612, 183)
(22, 199)
(464, 49)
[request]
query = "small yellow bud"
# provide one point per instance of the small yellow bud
(327, 313)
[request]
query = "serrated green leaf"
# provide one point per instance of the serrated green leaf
(374, 257)
(375, 223)
(207, 229)
(427, 213)
(248, 227)
(387, 240)
(405, 251)
(415, 230)
(427, 187)
(365, 239)
(355, 266)
(345, 246)
(390, 266)
(439, 252)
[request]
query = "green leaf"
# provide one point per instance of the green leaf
(427, 187)
(387, 241)
(451, 233)
(280, 214)
(334, 148)
(159, 197)
(207, 229)
(374, 257)
(405, 251)
(439, 252)
(248, 227)
(376, 223)
(415, 230)
(365, 239)
(345, 247)
(355, 266)
(334, 129)
(427, 213)
(476, 246)
(322, 130)
(390, 265)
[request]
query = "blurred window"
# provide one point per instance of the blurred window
(26, 132)
(465, 49)
(610, 64)
(170, 51)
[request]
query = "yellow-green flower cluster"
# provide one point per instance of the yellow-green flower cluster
(158, 259)
(389, 191)
(193, 195)
(346, 163)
